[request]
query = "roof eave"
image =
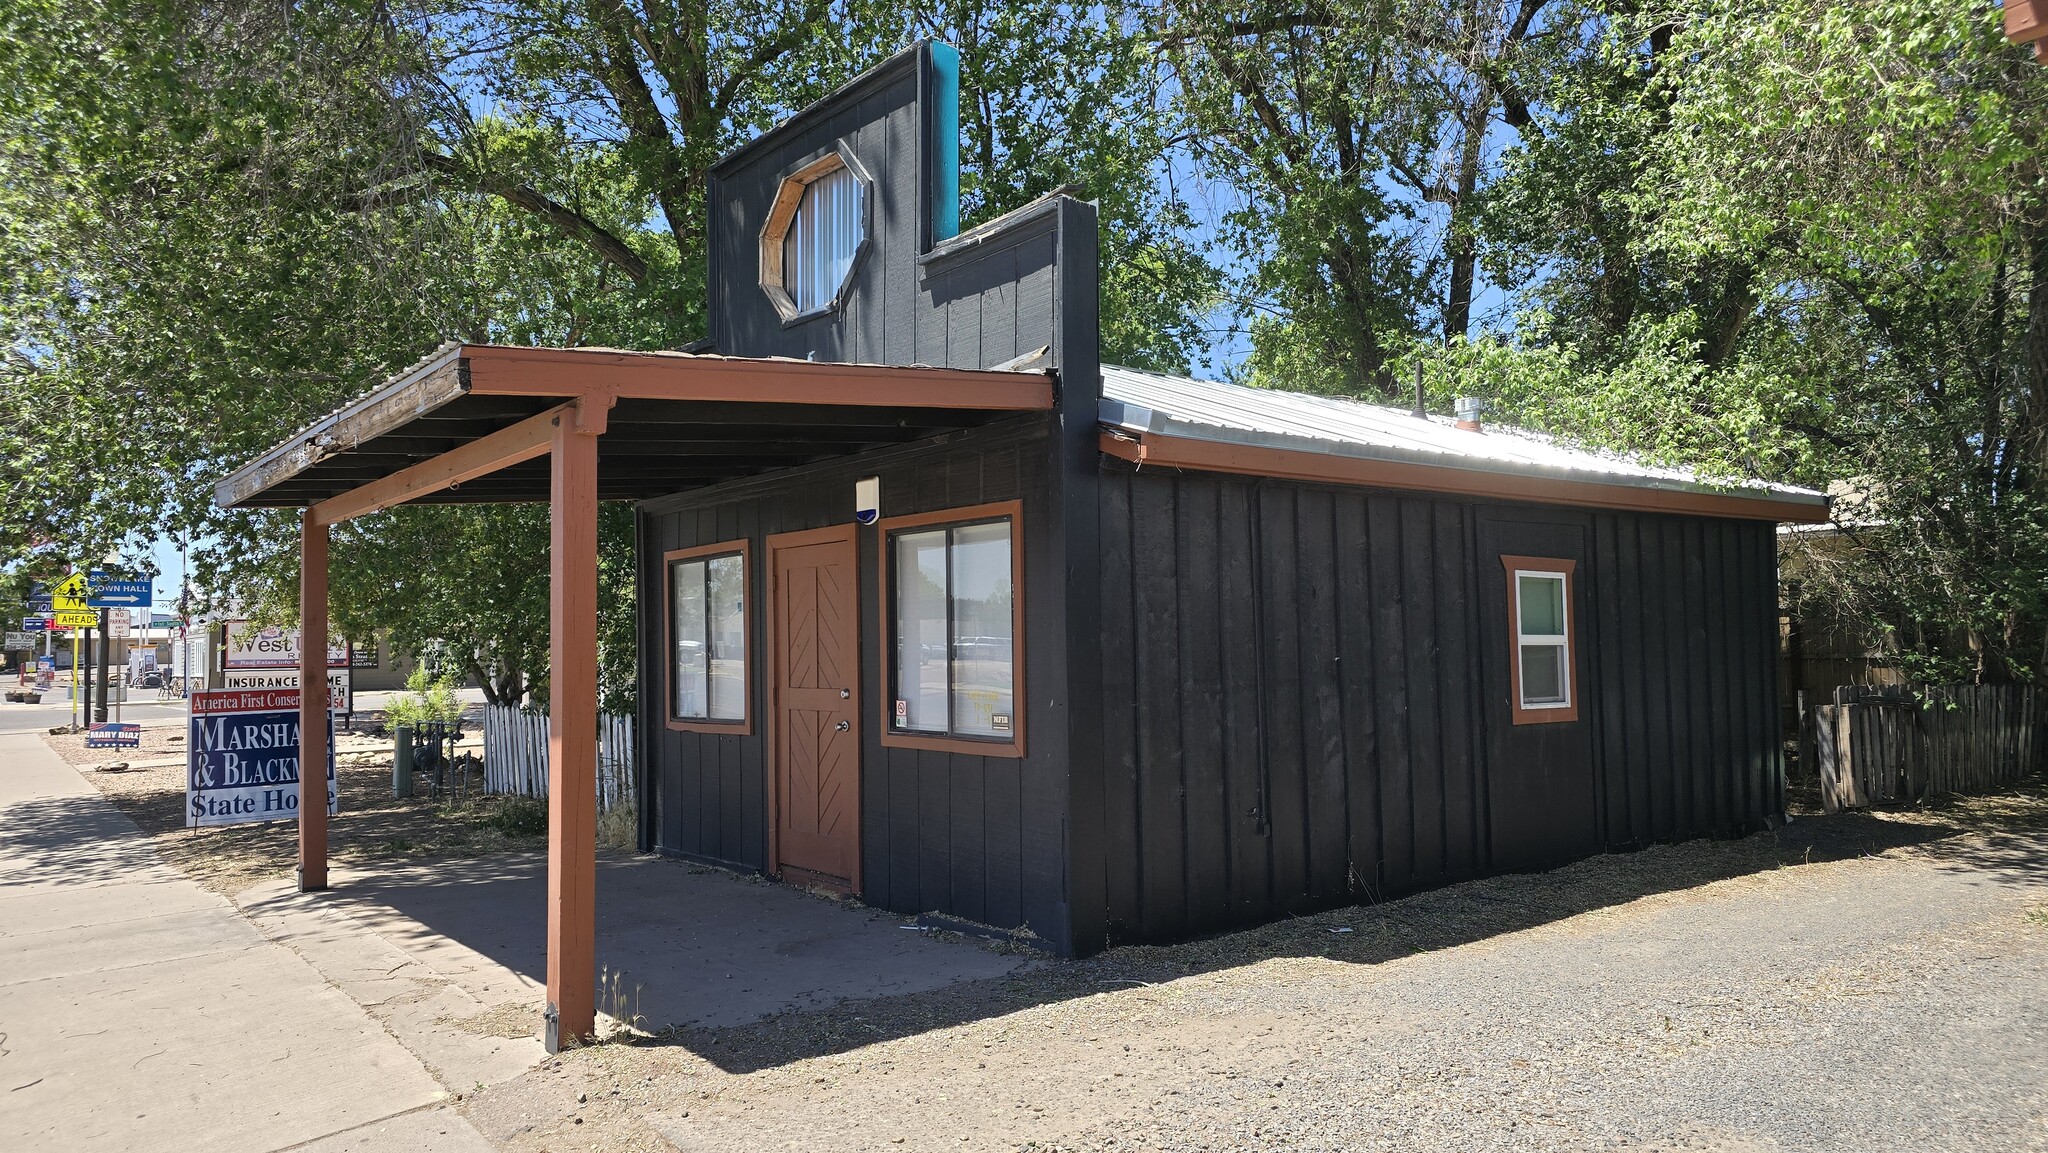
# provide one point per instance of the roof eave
(1789, 505)
(432, 382)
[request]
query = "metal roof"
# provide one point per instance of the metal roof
(1138, 401)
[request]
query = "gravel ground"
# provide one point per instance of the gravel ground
(1850, 983)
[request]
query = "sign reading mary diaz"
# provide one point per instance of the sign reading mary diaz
(242, 762)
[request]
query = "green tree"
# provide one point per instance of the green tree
(1809, 245)
(1357, 135)
(218, 222)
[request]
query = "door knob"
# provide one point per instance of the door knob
(843, 726)
(845, 693)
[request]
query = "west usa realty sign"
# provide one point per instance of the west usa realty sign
(242, 762)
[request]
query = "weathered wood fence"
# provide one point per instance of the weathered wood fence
(1876, 744)
(516, 755)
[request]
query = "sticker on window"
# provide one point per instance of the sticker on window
(902, 713)
(999, 722)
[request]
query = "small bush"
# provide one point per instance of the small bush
(520, 816)
(619, 829)
(426, 700)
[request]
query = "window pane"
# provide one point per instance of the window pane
(1542, 605)
(983, 647)
(1543, 677)
(687, 595)
(818, 250)
(920, 574)
(727, 641)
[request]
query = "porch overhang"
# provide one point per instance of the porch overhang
(469, 424)
(571, 427)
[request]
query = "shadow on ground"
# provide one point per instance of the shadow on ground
(750, 975)
(68, 842)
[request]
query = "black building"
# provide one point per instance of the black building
(1172, 655)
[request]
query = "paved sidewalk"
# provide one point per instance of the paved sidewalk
(138, 1011)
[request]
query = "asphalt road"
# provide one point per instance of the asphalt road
(56, 710)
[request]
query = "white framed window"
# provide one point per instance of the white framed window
(707, 637)
(1542, 653)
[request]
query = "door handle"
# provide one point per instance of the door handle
(845, 694)
(843, 726)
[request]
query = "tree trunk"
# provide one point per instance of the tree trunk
(1459, 240)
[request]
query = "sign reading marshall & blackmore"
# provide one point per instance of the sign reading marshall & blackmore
(242, 762)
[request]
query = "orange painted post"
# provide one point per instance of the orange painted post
(312, 705)
(572, 730)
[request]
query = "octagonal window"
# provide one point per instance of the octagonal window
(813, 237)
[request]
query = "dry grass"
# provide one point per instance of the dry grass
(372, 827)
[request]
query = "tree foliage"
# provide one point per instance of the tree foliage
(1766, 240)
(220, 220)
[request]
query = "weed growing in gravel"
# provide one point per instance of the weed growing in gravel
(520, 816)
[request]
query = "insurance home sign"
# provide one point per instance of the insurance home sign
(242, 762)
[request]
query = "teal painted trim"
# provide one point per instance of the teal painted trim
(945, 129)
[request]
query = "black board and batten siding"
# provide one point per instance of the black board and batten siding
(985, 839)
(1306, 694)
(940, 832)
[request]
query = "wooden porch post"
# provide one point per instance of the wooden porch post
(572, 728)
(312, 704)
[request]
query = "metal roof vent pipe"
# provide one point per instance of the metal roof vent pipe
(1469, 409)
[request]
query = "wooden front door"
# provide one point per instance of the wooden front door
(816, 707)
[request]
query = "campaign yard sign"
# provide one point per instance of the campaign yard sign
(114, 735)
(242, 762)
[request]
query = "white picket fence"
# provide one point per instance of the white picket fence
(516, 755)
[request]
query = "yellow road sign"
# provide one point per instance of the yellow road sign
(68, 599)
(72, 587)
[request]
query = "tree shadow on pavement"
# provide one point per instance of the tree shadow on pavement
(2003, 838)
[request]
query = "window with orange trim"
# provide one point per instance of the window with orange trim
(707, 637)
(1542, 650)
(951, 599)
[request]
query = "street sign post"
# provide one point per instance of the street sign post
(105, 592)
(69, 606)
(35, 624)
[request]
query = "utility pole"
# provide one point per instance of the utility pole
(99, 711)
(83, 700)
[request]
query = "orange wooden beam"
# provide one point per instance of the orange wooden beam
(480, 457)
(312, 704)
(501, 370)
(1321, 468)
(572, 731)
(2026, 20)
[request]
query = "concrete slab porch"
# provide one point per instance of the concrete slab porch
(678, 945)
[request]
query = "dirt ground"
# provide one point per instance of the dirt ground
(1847, 983)
(370, 827)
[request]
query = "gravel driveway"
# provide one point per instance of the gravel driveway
(1851, 983)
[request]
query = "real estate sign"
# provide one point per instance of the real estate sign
(339, 682)
(242, 762)
(270, 647)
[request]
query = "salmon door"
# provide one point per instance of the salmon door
(816, 714)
